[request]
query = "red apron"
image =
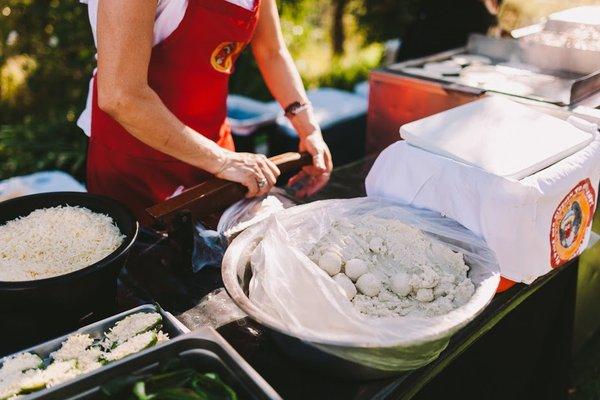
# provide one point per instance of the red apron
(189, 71)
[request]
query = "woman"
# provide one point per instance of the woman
(156, 114)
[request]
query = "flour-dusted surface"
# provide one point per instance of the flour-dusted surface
(55, 241)
(406, 272)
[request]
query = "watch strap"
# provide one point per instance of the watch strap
(296, 108)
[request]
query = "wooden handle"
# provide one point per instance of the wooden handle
(216, 194)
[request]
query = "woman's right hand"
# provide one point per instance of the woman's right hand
(255, 171)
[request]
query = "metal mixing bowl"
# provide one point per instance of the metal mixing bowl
(346, 359)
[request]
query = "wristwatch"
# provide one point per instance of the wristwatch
(296, 108)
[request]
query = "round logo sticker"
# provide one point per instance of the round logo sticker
(570, 222)
(224, 55)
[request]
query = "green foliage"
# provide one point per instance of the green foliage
(385, 19)
(46, 60)
(27, 148)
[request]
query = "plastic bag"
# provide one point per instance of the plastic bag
(210, 245)
(306, 303)
(248, 212)
(216, 309)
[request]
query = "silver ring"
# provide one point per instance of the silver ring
(262, 182)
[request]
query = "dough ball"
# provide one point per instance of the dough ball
(346, 285)
(424, 295)
(355, 268)
(400, 284)
(427, 279)
(331, 263)
(369, 285)
(376, 245)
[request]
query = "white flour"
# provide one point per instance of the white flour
(406, 274)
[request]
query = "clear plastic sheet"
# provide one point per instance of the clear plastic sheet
(210, 245)
(248, 212)
(215, 310)
(293, 295)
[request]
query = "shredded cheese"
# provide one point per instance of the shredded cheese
(55, 241)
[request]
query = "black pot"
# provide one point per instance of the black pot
(34, 310)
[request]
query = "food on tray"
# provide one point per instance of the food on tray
(471, 59)
(19, 363)
(131, 326)
(577, 37)
(55, 241)
(448, 67)
(396, 269)
(174, 381)
(131, 346)
(80, 347)
(26, 372)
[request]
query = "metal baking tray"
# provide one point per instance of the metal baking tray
(204, 349)
(171, 326)
(510, 73)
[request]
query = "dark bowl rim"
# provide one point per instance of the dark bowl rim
(90, 269)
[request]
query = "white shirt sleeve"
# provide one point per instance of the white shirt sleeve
(169, 14)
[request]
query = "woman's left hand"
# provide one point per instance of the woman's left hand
(314, 177)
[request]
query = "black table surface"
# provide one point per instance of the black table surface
(150, 276)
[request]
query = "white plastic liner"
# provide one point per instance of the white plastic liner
(210, 245)
(293, 295)
(248, 212)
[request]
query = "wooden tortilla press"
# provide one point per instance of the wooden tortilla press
(206, 201)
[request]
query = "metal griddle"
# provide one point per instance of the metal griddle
(508, 74)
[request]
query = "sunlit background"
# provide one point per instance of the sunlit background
(47, 56)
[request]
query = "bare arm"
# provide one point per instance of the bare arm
(284, 82)
(125, 30)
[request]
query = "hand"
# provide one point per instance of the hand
(312, 178)
(249, 170)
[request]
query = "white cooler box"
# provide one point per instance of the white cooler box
(524, 181)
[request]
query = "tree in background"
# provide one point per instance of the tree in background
(385, 19)
(338, 36)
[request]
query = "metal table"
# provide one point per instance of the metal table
(519, 347)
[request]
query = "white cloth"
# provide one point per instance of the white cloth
(499, 136)
(169, 14)
(514, 217)
(40, 182)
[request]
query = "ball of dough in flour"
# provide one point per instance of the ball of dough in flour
(400, 284)
(346, 285)
(376, 245)
(331, 263)
(355, 268)
(424, 295)
(369, 285)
